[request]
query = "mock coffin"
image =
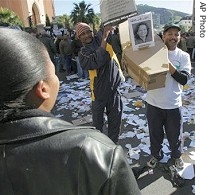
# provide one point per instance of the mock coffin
(147, 66)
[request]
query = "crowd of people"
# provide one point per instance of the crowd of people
(39, 148)
(187, 43)
(63, 50)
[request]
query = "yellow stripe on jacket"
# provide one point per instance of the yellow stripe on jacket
(114, 56)
(92, 75)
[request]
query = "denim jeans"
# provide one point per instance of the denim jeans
(80, 71)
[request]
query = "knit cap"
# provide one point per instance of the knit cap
(81, 27)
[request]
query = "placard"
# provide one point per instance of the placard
(116, 11)
(141, 31)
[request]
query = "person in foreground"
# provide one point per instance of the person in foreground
(98, 57)
(164, 104)
(39, 153)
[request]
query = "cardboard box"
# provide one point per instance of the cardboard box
(148, 66)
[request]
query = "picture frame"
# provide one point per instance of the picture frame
(141, 31)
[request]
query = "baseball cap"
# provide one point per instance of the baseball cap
(168, 26)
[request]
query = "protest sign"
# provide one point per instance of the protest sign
(116, 11)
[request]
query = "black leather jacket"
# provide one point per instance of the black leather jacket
(43, 155)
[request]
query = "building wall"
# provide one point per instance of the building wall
(37, 9)
(49, 8)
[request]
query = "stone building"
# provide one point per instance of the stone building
(35, 10)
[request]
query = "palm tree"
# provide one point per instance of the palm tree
(9, 18)
(65, 20)
(83, 13)
(96, 22)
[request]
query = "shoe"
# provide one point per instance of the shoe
(176, 179)
(136, 172)
(178, 162)
(152, 162)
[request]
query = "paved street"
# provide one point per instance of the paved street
(74, 105)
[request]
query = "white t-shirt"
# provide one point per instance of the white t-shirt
(169, 97)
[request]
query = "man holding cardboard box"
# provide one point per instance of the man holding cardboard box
(164, 104)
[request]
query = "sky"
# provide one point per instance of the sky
(66, 6)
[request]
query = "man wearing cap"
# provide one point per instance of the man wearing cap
(164, 104)
(98, 58)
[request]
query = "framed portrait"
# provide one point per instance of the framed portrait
(141, 31)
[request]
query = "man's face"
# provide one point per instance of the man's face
(171, 38)
(86, 37)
